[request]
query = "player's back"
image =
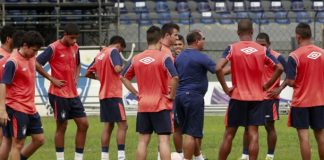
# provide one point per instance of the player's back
(247, 66)
(152, 80)
(308, 86)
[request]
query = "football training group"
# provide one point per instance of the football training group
(171, 77)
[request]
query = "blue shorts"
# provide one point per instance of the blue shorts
(112, 110)
(66, 108)
(244, 113)
(22, 124)
(302, 118)
(190, 112)
(159, 122)
(271, 109)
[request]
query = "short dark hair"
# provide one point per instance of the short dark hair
(32, 39)
(304, 30)
(71, 29)
(6, 31)
(168, 28)
(17, 38)
(245, 26)
(181, 38)
(117, 40)
(193, 36)
(263, 35)
(153, 35)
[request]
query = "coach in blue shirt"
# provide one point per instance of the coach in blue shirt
(192, 67)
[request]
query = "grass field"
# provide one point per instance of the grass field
(287, 146)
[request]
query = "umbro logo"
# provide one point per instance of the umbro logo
(314, 55)
(249, 50)
(24, 69)
(147, 60)
(62, 55)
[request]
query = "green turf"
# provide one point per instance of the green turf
(287, 146)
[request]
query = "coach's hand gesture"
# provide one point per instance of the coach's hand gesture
(3, 117)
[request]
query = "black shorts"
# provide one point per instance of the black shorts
(22, 124)
(244, 113)
(112, 110)
(271, 109)
(190, 113)
(159, 122)
(302, 118)
(66, 108)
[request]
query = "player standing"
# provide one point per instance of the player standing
(64, 59)
(107, 67)
(151, 69)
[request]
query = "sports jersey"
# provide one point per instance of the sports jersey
(192, 67)
(167, 50)
(247, 66)
(63, 61)
(269, 71)
(306, 67)
(103, 66)
(151, 69)
(4, 55)
(19, 77)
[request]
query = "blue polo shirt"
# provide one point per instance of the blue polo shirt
(192, 67)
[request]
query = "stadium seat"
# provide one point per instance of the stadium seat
(318, 5)
(303, 17)
(182, 6)
(185, 18)
(122, 8)
(238, 6)
(161, 7)
(276, 5)
(12, 1)
(297, 6)
(140, 7)
(207, 18)
(221, 6)
(226, 18)
(16, 15)
(259, 18)
(124, 19)
(33, 1)
(164, 18)
(281, 17)
(203, 7)
(255, 6)
(242, 15)
(144, 19)
(320, 17)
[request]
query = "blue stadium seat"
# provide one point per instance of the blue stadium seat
(242, 15)
(281, 17)
(221, 6)
(303, 17)
(276, 5)
(144, 19)
(161, 7)
(238, 6)
(124, 19)
(203, 7)
(17, 14)
(297, 6)
(259, 18)
(52, 1)
(320, 17)
(255, 6)
(226, 18)
(33, 1)
(318, 5)
(12, 1)
(182, 6)
(122, 7)
(207, 18)
(185, 18)
(164, 18)
(140, 7)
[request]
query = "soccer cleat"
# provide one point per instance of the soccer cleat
(269, 158)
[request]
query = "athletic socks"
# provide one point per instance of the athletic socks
(23, 157)
(104, 153)
(59, 153)
(78, 154)
(200, 157)
(121, 151)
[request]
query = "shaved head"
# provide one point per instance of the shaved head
(245, 26)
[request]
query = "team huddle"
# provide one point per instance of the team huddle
(171, 85)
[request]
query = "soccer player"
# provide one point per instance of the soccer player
(107, 67)
(151, 69)
(5, 50)
(247, 65)
(18, 114)
(270, 104)
(305, 74)
(170, 32)
(178, 46)
(192, 67)
(64, 59)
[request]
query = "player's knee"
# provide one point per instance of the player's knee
(83, 126)
(39, 141)
(18, 145)
(123, 126)
(61, 126)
